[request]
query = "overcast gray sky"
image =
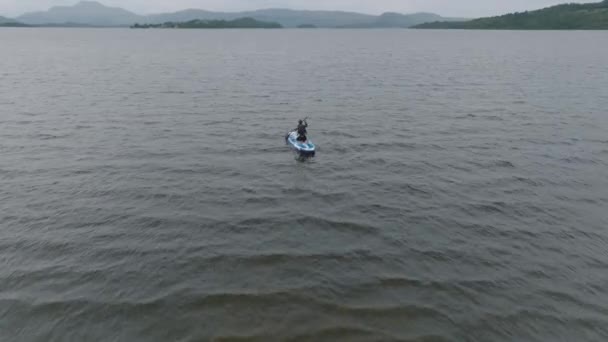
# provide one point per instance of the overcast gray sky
(460, 8)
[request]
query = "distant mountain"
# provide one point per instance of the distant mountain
(398, 20)
(285, 17)
(4, 20)
(591, 16)
(7, 22)
(91, 13)
(180, 16)
(86, 12)
(401, 20)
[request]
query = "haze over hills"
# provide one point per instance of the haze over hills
(4, 20)
(590, 16)
(285, 17)
(85, 12)
(92, 13)
(389, 19)
(7, 22)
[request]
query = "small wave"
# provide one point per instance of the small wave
(504, 163)
(74, 307)
(239, 338)
(342, 333)
(83, 172)
(494, 164)
(495, 207)
(45, 136)
(416, 190)
(172, 92)
(523, 316)
(578, 160)
(392, 145)
(242, 299)
(399, 312)
(467, 116)
(562, 297)
(527, 181)
(292, 258)
(343, 134)
(265, 201)
(337, 225)
(493, 118)
(219, 122)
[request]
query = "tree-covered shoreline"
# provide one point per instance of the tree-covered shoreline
(572, 16)
(212, 24)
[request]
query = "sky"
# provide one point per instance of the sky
(453, 8)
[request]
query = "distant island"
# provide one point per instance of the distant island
(213, 24)
(307, 26)
(592, 16)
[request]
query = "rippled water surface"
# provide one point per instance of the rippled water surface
(459, 193)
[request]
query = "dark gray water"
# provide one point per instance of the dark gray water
(460, 191)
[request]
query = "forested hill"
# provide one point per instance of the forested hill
(592, 16)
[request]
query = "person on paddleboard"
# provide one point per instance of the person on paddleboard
(302, 125)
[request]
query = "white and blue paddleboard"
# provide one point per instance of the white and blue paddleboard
(305, 148)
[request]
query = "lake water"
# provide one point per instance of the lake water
(459, 192)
